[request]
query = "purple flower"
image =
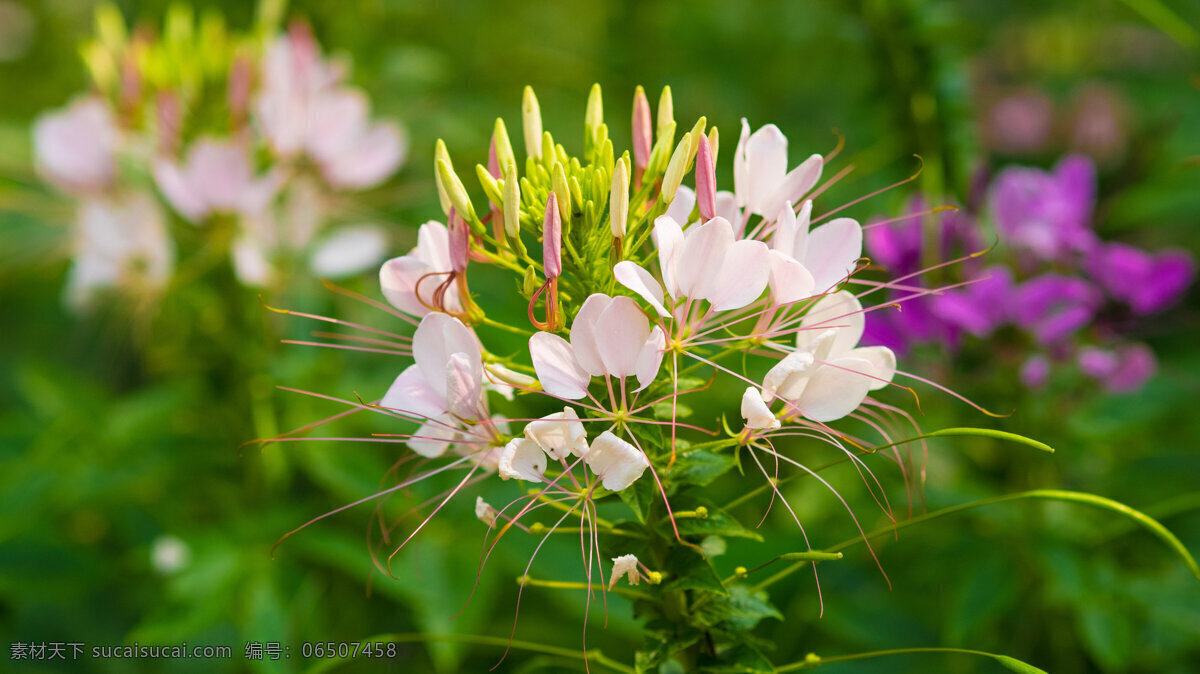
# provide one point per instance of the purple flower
(1147, 282)
(981, 307)
(1052, 306)
(1047, 213)
(1120, 370)
(899, 246)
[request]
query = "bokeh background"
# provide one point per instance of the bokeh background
(121, 430)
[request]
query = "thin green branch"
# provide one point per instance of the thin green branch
(813, 661)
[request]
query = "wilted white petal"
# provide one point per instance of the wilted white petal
(742, 276)
(583, 333)
(625, 565)
(621, 331)
(755, 411)
(617, 462)
(637, 279)
(485, 512)
(650, 357)
(833, 249)
(788, 377)
(556, 367)
(836, 389)
(559, 434)
(522, 459)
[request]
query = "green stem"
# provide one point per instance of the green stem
(591, 656)
(570, 585)
(812, 661)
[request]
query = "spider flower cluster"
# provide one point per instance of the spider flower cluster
(254, 137)
(673, 331)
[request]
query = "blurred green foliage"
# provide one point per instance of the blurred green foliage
(124, 426)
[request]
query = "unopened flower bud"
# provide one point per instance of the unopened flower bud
(696, 133)
(552, 239)
(714, 140)
(666, 111)
(512, 202)
(531, 118)
(460, 242)
(676, 168)
(706, 180)
(594, 116)
(503, 147)
(562, 190)
(618, 200)
(440, 154)
(456, 194)
(493, 165)
(642, 131)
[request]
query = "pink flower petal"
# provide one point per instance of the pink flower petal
(832, 251)
(742, 276)
(650, 358)
(556, 367)
(621, 331)
(583, 333)
(632, 276)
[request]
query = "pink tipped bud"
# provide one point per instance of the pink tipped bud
(552, 239)
(706, 180)
(460, 242)
(241, 74)
(642, 130)
(305, 53)
(493, 161)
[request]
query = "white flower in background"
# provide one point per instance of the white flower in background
(304, 109)
(121, 241)
(829, 375)
(216, 178)
(610, 336)
(443, 386)
(75, 148)
(169, 554)
(348, 251)
(625, 565)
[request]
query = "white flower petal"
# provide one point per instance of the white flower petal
(832, 251)
(755, 411)
(650, 358)
(485, 512)
(464, 386)
(882, 359)
(836, 389)
(727, 208)
(556, 366)
(742, 276)
(583, 333)
(412, 395)
(438, 337)
(398, 279)
(617, 462)
(788, 377)
(434, 437)
(790, 281)
(668, 237)
(682, 205)
(840, 312)
(523, 460)
(795, 185)
(704, 248)
(766, 156)
(625, 565)
(633, 276)
(559, 434)
(741, 167)
(348, 251)
(621, 331)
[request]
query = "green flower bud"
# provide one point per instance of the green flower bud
(440, 155)
(677, 168)
(562, 191)
(714, 140)
(504, 150)
(512, 203)
(531, 119)
(594, 116)
(618, 200)
(666, 111)
(491, 188)
(455, 192)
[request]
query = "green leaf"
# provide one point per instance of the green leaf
(741, 610)
(690, 571)
(701, 467)
(716, 523)
(638, 496)
(1108, 633)
(741, 659)
(664, 411)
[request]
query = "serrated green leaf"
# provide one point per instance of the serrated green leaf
(741, 610)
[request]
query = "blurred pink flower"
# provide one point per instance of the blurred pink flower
(1020, 123)
(120, 241)
(74, 148)
(216, 178)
